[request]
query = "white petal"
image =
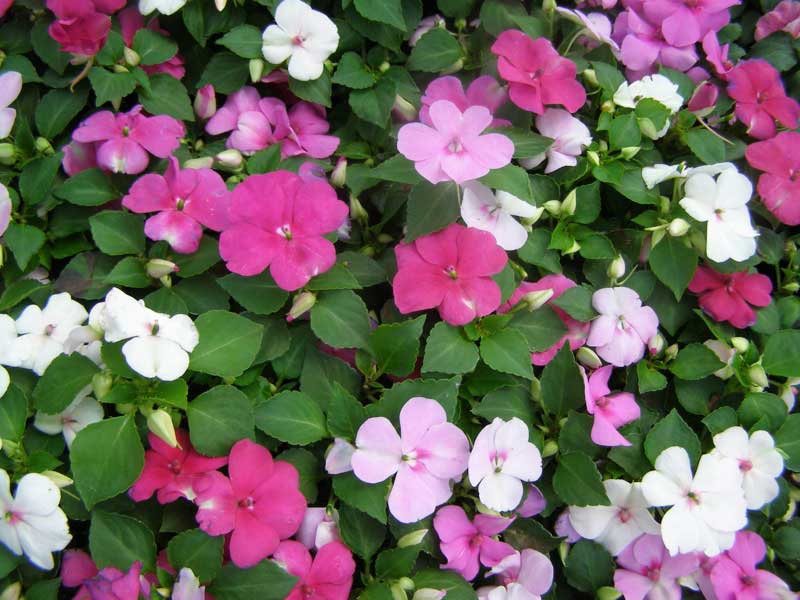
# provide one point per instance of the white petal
(40, 536)
(500, 492)
(759, 489)
(304, 66)
(49, 424)
(657, 173)
(7, 118)
(733, 189)
(508, 233)
(36, 495)
(591, 521)
(156, 357)
(293, 15)
(31, 320)
(5, 381)
(276, 45)
(682, 531)
(179, 329)
(733, 443)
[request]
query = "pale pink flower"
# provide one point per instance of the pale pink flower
(526, 575)
(205, 102)
(10, 87)
(318, 528)
(424, 26)
(610, 411)
(484, 91)
(784, 17)
(684, 22)
(596, 27)
(648, 571)
(570, 136)
(5, 209)
(339, 455)
(621, 331)
(302, 130)
(329, 576)
(494, 212)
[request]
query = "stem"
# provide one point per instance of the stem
(82, 75)
(704, 124)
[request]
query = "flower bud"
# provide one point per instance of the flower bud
(704, 99)
(159, 267)
(12, 592)
(220, 4)
(671, 352)
(527, 222)
(608, 593)
(412, 539)
(117, 68)
(590, 76)
(553, 207)
(549, 6)
(792, 287)
(230, 158)
(678, 227)
(588, 358)
(8, 153)
(563, 551)
(339, 173)
(404, 109)
(602, 146)
(43, 146)
(570, 203)
(656, 344)
(384, 66)
(572, 249)
(550, 448)
(616, 269)
(59, 479)
(406, 583)
(303, 303)
(398, 593)
(608, 107)
(256, 66)
(537, 299)
(132, 58)
(203, 162)
(454, 68)
(101, 384)
(629, 152)
(205, 102)
(741, 344)
(594, 157)
(429, 594)
(160, 423)
(357, 211)
(757, 376)
(647, 128)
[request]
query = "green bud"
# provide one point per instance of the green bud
(608, 107)
(59, 479)
(454, 68)
(412, 539)
(230, 158)
(550, 448)
(101, 384)
(678, 227)
(398, 593)
(570, 203)
(120, 69)
(204, 162)
(160, 423)
(671, 352)
(647, 128)
(608, 593)
(406, 583)
(590, 76)
(757, 376)
(429, 594)
(256, 67)
(629, 152)
(741, 344)
(303, 303)
(588, 358)
(339, 173)
(13, 591)
(593, 157)
(8, 153)
(792, 287)
(43, 146)
(357, 211)
(159, 267)
(616, 269)
(132, 58)
(553, 207)
(537, 299)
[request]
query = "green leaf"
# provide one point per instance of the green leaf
(91, 187)
(455, 8)
(265, 160)
(119, 541)
(507, 351)
(430, 208)
(322, 373)
(787, 541)
(228, 343)
(198, 551)
(13, 414)
(777, 50)
(670, 431)
(116, 232)
(258, 294)
(367, 498)
(17, 291)
(362, 534)
(167, 96)
(226, 72)
(106, 457)
(340, 319)
(110, 87)
(578, 482)
(577, 303)
(535, 252)
(395, 346)
(152, 47)
(444, 391)
(782, 354)
(374, 104)
(589, 566)
(24, 241)
(575, 435)
(56, 110)
(37, 178)
(511, 179)
(265, 581)
(218, 419)
(291, 417)
(396, 562)
(695, 361)
(721, 419)
(449, 351)
(352, 72)
(205, 257)
(706, 146)
(624, 132)
(541, 328)
(674, 263)
(129, 272)
(345, 414)
(506, 403)
(562, 384)
(64, 378)
(244, 41)
(435, 51)
(526, 143)
(650, 380)
(787, 439)
(762, 411)
(389, 12)
(317, 91)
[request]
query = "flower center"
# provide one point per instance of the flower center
(49, 329)
(794, 174)
(175, 466)
(745, 466)
(693, 498)
(298, 40)
(154, 328)
(285, 231)
(747, 580)
(653, 573)
(624, 515)
(307, 591)
(536, 74)
(718, 213)
(455, 146)
(475, 541)
(451, 272)
(621, 323)
(602, 401)
(126, 131)
(410, 459)
(247, 503)
(179, 203)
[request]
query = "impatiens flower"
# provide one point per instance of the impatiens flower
(185, 199)
(450, 270)
(452, 148)
(494, 212)
(648, 571)
(165, 7)
(82, 411)
(610, 411)
(130, 22)
(707, 508)
(339, 456)
(526, 575)
(570, 136)
(735, 577)
(76, 567)
(534, 503)
(779, 185)
(704, 99)
(537, 75)
(261, 503)
(563, 528)
(759, 462)
(424, 26)
(728, 296)
(621, 332)
(655, 87)
(172, 473)
(5, 209)
(722, 203)
(187, 586)
(82, 26)
(318, 528)
(278, 220)
(725, 354)
(305, 36)
(328, 577)
(501, 459)
(112, 584)
(784, 17)
(426, 456)
(32, 522)
(761, 99)
(10, 87)
(242, 114)
(4, 6)
(125, 139)
(79, 157)
(596, 27)
(205, 102)
(301, 131)
(788, 392)
(466, 543)
(483, 91)
(684, 22)
(717, 55)
(617, 525)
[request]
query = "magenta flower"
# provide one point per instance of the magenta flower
(242, 115)
(261, 503)
(610, 411)
(735, 577)
(76, 567)
(623, 328)
(704, 99)
(123, 140)
(684, 22)
(186, 200)
(172, 472)
(328, 577)
(82, 26)
(537, 75)
(484, 91)
(728, 296)
(648, 571)
(112, 584)
(452, 147)
(761, 99)
(278, 220)
(450, 270)
(779, 185)
(426, 456)
(784, 17)
(4, 6)
(466, 543)
(717, 55)
(131, 21)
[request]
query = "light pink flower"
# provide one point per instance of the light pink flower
(185, 199)
(452, 147)
(79, 157)
(131, 21)
(10, 87)
(318, 528)
(684, 22)
(484, 91)
(328, 577)
(735, 577)
(648, 571)
(621, 331)
(340, 454)
(779, 185)
(533, 504)
(301, 131)
(205, 102)
(704, 99)
(450, 270)
(187, 586)
(424, 26)
(529, 571)
(596, 28)
(610, 411)
(564, 528)
(112, 584)
(5, 209)
(242, 115)
(570, 136)
(278, 220)
(426, 456)
(261, 503)
(728, 296)
(466, 543)
(537, 75)
(784, 17)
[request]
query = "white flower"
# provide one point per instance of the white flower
(32, 523)
(482, 209)
(5, 209)
(87, 339)
(10, 87)
(501, 459)
(82, 411)
(512, 591)
(165, 7)
(569, 135)
(788, 392)
(656, 87)
(722, 203)
(617, 525)
(707, 509)
(758, 461)
(5, 381)
(187, 587)
(660, 172)
(305, 36)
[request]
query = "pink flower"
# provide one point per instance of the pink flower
(76, 567)
(278, 220)
(328, 577)
(112, 584)
(569, 136)
(10, 87)
(261, 503)
(125, 139)
(564, 528)
(735, 577)
(185, 199)
(596, 28)
(484, 91)
(450, 270)
(131, 21)
(704, 99)
(172, 472)
(4, 6)
(621, 331)
(684, 22)
(426, 456)
(533, 504)
(610, 411)
(760, 98)
(727, 297)
(318, 528)
(81, 26)
(424, 26)
(648, 571)
(242, 115)
(717, 55)
(205, 102)
(301, 131)
(452, 147)
(465, 543)
(784, 17)
(536, 73)
(79, 157)
(529, 569)
(779, 185)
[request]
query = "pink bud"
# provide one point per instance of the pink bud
(704, 99)
(205, 103)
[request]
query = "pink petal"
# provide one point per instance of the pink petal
(149, 193)
(248, 250)
(122, 155)
(249, 464)
(333, 564)
(417, 416)
(294, 557)
(419, 142)
(252, 540)
(444, 450)
(301, 259)
(159, 135)
(216, 504)
(478, 254)
(99, 127)
(278, 501)
(316, 209)
(451, 523)
(76, 567)
(421, 289)
(378, 451)
(180, 230)
(416, 494)
(209, 202)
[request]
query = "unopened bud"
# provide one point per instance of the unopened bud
(160, 423)
(404, 109)
(629, 152)
(398, 593)
(570, 203)
(220, 4)
(101, 384)
(590, 76)
(159, 267)
(12, 592)
(656, 344)
(757, 376)
(429, 594)
(553, 207)
(572, 249)
(792, 287)
(647, 128)
(125, 408)
(678, 227)
(549, 6)
(671, 352)
(608, 107)
(528, 222)
(8, 153)
(593, 157)
(406, 583)
(339, 173)
(256, 67)
(616, 269)
(303, 303)
(608, 593)
(205, 102)
(43, 146)
(59, 479)
(357, 212)
(563, 551)
(132, 57)
(230, 158)
(537, 299)
(384, 66)
(117, 68)
(203, 162)
(588, 358)
(412, 539)
(550, 448)
(454, 68)
(741, 344)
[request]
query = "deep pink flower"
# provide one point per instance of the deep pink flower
(484, 91)
(112, 584)
(648, 571)
(465, 543)
(704, 99)
(450, 270)
(728, 296)
(82, 26)
(172, 472)
(125, 139)
(205, 103)
(452, 147)
(761, 99)
(684, 22)
(610, 411)
(261, 503)
(278, 220)
(624, 326)
(79, 157)
(576, 331)
(131, 21)
(717, 55)
(328, 577)
(241, 114)
(76, 567)
(185, 199)
(537, 75)
(784, 17)
(735, 577)
(779, 185)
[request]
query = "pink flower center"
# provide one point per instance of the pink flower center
(475, 541)
(175, 466)
(247, 503)
(794, 174)
(179, 203)
(653, 573)
(624, 515)
(285, 231)
(455, 146)
(49, 329)
(536, 74)
(745, 466)
(12, 517)
(498, 459)
(693, 498)
(602, 401)
(747, 580)
(307, 591)
(298, 40)
(451, 271)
